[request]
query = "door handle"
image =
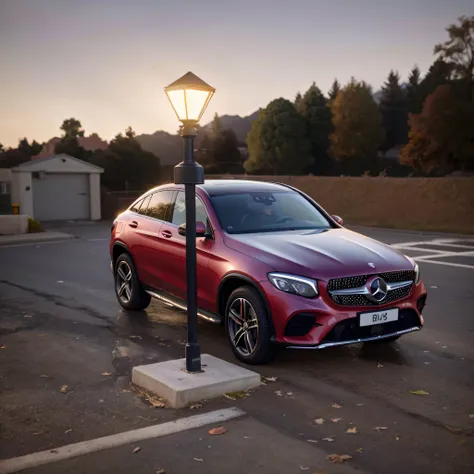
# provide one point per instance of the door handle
(166, 233)
(133, 224)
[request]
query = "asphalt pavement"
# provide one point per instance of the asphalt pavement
(67, 350)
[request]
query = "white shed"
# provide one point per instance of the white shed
(60, 187)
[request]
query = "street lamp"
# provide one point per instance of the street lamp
(189, 96)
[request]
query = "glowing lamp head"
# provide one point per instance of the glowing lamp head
(189, 96)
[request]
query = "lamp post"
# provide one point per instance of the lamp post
(189, 96)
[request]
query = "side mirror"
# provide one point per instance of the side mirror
(338, 220)
(200, 229)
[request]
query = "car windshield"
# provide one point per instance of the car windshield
(252, 212)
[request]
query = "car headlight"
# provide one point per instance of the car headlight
(417, 273)
(416, 268)
(294, 284)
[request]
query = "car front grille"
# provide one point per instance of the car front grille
(350, 330)
(358, 281)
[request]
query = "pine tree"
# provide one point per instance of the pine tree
(414, 103)
(313, 107)
(393, 106)
(335, 88)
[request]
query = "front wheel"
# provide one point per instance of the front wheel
(128, 288)
(247, 327)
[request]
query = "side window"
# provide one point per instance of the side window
(144, 205)
(159, 205)
(179, 212)
(136, 207)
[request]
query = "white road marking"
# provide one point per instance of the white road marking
(85, 447)
(434, 255)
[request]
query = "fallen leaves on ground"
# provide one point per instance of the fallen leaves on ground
(64, 388)
(199, 459)
(338, 458)
(471, 416)
(381, 428)
(278, 393)
(419, 392)
(27, 316)
(125, 390)
(270, 379)
(236, 395)
(4, 346)
(319, 421)
(336, 405)
(379, 365)
(352, 430)
(359, 405)
(160, 471)
(359, 450)
(68, 431)
(45, 376)
(220, 430)
(152, 399)
(106, 374)
(136, 337)
(195, 406)
(137, 450)
(314, 441)
(336, 420)
(329, 440)
(304, 468)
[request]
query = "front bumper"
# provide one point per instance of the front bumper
(336, 325)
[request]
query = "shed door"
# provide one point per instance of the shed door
(59, 196)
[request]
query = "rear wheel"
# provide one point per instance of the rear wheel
(247, 326)
(128, 288)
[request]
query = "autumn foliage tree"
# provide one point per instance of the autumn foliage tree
(441, 136)
(358, 131)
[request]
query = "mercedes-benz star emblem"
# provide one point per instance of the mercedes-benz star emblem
(377, 289)
(371, 265)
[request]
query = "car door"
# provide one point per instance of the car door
(175, 254)
(147, 244)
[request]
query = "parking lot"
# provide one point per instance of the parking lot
(411, 403)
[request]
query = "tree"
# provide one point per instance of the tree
(2, 149)
(414, 104)
(277, 141)
(72, 128)
(24, 152)
(441, 136)
(218, 151)
(438, 75)
(314, 109)
(126, 165)
(458, 51)
(335, 88)
(358, 131)
(393, 106)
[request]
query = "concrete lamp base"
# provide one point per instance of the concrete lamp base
(170, 381)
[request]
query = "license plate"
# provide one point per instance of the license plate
(379, 317)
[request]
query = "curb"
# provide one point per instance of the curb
(30, 239)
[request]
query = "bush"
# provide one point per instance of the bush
(34, 226)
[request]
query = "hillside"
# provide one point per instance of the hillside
(170, 147)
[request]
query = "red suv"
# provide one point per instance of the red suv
(272, 265)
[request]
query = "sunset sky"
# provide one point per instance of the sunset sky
(106, 62)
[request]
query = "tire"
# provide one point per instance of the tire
(387, 340)
(245, 309)
(131, 296)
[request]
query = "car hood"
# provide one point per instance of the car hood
(318, 254)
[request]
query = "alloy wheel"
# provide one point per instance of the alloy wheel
(243, 326)
(123, 282)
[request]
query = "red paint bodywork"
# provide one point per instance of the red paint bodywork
(159, 254)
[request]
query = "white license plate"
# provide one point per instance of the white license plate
(379, 317)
